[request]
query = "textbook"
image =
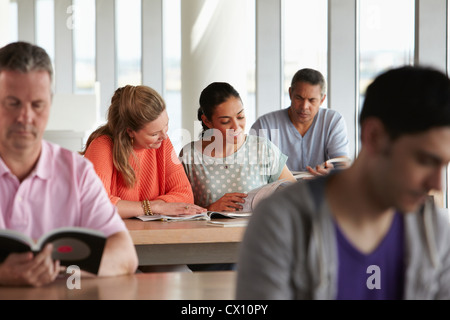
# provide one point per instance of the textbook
(201, 216)
(161, 217)
(252, 199)
(256, 195)
(228, 215)
(77, 246)
(338, 163)
(232, 223)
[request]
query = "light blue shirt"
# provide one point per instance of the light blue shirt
(256, 163)
(325, 139)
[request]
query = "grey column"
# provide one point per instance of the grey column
(152, 45)
(342, 65)
(64, 75)
(269, 56)
(27, 20)
(106, 52)
(431, 33)
(432, 50)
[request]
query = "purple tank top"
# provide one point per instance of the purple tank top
(375, 276)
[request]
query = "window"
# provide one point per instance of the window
(84, 45)
(305, 39)
(250, 107)
(128, 42)
(172, 61)
(172, 65)
(13, 21)
(45, 27)
(386, 40)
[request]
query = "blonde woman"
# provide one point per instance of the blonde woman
(135, 159)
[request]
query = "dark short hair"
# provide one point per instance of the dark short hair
(213, 95)
(312, 77)
(408, 100)
(25, 57)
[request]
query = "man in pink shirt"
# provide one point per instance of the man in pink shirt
(43, 186)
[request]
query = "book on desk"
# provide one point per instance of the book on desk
(200, 216)
(253, 198)
(228, 223)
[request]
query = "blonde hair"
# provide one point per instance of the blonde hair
(132, 107)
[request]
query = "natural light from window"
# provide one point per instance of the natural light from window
(305, 26)
(386, 37)
(83, 15)
(129, 42)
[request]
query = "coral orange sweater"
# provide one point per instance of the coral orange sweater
(161, 176)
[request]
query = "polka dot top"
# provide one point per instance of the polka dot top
(256, 163)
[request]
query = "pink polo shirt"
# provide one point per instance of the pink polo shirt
(62, 191)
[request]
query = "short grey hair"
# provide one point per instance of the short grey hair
(310, 76)
(25, 57)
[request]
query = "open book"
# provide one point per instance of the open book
(228, 215)
(252, 199)
(161, 217)
(338, 163)
(201, 216)
(71, 246)
(256, 195)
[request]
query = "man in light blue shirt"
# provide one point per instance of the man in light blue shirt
(308, 134)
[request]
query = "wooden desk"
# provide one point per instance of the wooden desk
(184, 242)
(141, 286)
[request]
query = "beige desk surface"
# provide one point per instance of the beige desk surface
(141, 286)
(181, 232)
(184, 242)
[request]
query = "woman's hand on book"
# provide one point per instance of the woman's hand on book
(177, 209)
(230, 202)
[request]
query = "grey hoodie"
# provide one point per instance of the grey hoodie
(289, 250)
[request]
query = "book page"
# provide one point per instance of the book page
(256, 195)
(298, 175)
(339, 162)
(156, 217)
(227, 214)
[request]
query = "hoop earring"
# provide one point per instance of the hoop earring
(132, 141)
